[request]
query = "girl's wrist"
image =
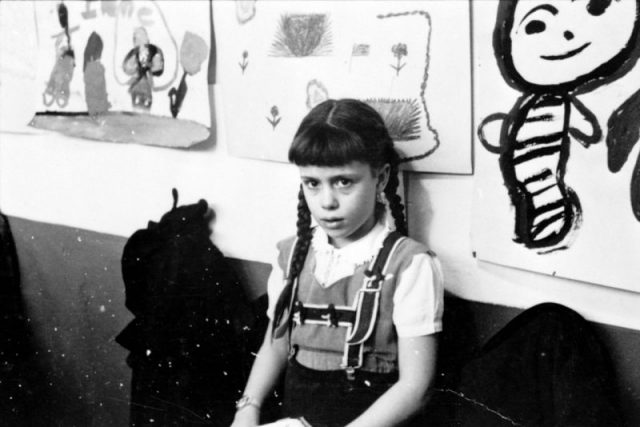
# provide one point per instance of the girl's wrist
(247, 401)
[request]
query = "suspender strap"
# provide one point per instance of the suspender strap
(367, 305)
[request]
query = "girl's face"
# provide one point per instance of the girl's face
(556, 42)
(342, 198)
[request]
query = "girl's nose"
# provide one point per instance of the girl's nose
(568, 35)
(328, 199)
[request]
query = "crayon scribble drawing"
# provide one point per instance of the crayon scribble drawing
(401, 116)
(552, 52)
(302, 35)
(127, 88)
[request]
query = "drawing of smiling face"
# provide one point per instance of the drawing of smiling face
(558, 42)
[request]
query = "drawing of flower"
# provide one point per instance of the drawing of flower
(243, 65)
(275, 117)
(399, 50)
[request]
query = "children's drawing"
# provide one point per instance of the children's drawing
(193, 52)
(130, 88)
(399, 51)
(142, 63)
(244, 63)
(58, 86)
(316, 93)
(95, 85)
(302, 35)
(245, 10)
(401, 60)
(275, 118)
(551, 52)
(554, 92)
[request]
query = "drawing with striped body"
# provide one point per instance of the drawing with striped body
(553, 51)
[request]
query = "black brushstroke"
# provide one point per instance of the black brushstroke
(623, 133)
(176, 96)
(544, 174)
(535, 154)
(613, 69)
(527, 228)
(63, 16)
(541, 118)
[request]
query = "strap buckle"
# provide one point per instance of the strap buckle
(351, 373)
(331, 316)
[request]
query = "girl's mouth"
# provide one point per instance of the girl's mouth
(566, 54)
(332, 222)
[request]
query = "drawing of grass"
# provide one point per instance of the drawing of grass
(302, 35)
(401, 116)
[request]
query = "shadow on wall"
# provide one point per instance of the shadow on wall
(74, 306)
(20, 374)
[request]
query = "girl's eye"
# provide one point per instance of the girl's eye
(343, 183)
(310, 184)
(535, 26)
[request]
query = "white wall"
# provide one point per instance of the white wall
(116, 189)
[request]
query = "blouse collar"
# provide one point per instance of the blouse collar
(334, 263)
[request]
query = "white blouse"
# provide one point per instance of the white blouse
(418, 299)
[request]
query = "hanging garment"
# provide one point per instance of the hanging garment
(188, 339)
(545, 368)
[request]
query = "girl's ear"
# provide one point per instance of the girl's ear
(383, 177)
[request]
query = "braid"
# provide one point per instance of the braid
(304, 233)
(395, 202)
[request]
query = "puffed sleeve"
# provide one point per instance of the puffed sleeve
(419, 297)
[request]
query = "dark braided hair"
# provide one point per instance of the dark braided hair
(297, 260)
(335, 133)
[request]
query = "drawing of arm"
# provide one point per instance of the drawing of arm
(493, 148)
(583, 125)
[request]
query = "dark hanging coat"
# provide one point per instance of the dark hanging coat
(188, 338)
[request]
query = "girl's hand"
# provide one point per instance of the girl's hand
(249, 416)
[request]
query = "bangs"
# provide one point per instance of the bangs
(325, 145)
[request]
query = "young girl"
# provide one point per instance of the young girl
(354, 307)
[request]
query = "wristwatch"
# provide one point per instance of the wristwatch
(245, 401)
